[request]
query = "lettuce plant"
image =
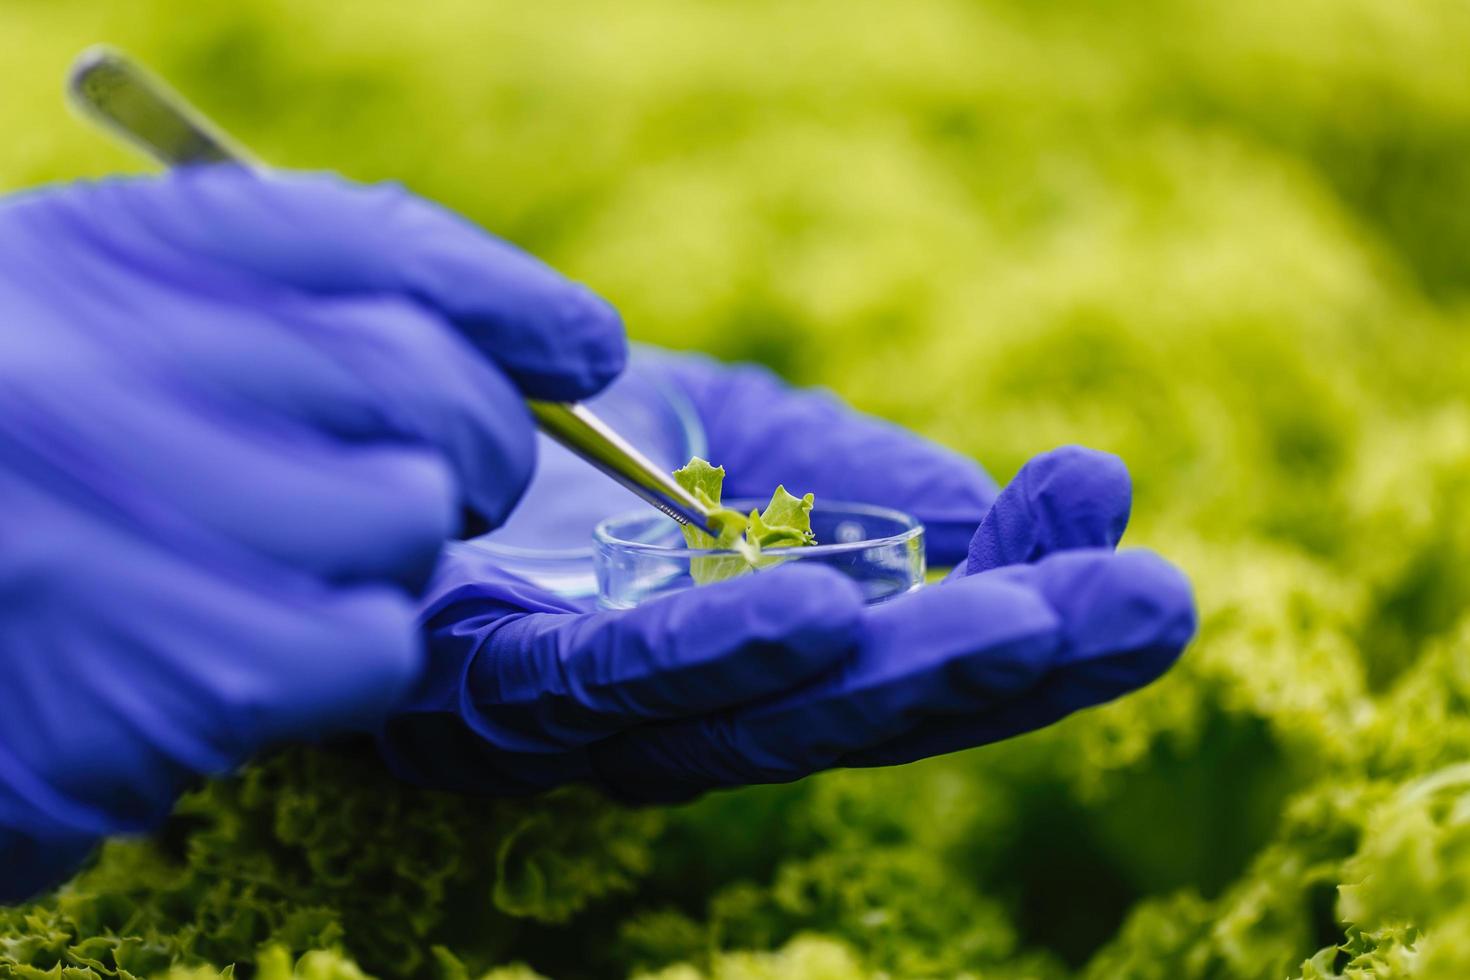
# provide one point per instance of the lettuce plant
(785, 523)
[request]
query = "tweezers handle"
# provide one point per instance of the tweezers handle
(589, 437)
(111, 90)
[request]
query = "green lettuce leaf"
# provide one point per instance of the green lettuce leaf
(785, 523)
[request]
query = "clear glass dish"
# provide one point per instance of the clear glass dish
(641, 555)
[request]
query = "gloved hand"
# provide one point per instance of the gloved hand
(770, 677)
(238, 417)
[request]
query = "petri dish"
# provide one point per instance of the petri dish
(548, 538)
(640, 555)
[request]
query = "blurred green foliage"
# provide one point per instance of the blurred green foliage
(1230, 242)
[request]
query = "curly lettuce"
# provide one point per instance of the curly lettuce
(786, 522)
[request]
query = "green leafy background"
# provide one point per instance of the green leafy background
(1229, 241)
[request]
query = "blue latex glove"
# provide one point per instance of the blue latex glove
(770, 677)
(238, 417)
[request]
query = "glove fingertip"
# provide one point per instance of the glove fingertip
(1134, 609)
(993, 634)
(591, 348)
(1070, 497)
(372, 653)
(393, 657)
(496, 480)
(1097, 489)
(1150, 582)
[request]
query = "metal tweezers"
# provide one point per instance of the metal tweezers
(111, 90)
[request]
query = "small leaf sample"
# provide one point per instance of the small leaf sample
(785, 523)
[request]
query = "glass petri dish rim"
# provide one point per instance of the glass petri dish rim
(913, 528)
